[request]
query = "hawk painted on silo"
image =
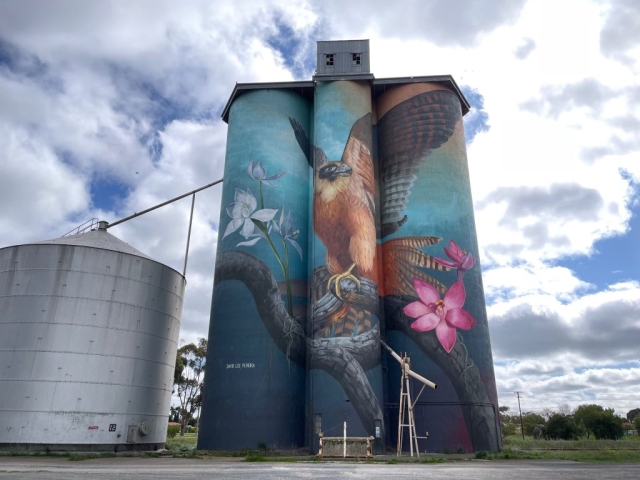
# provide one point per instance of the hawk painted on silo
(344, 205)
(344, 190)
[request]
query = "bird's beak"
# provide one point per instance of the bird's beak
(343, 170)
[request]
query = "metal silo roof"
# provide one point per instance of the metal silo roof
(95, 239)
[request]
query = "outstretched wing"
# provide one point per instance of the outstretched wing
(306, 146)
(357, 154)
(403, 263)
(406, 136)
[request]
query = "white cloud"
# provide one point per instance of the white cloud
(104, 90)
(524, 280)
(576, 350)
(31, 179)
(191, 158)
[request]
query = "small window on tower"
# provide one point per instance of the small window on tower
(329, 60)
(356, 58)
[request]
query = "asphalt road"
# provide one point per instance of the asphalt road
(122, 468)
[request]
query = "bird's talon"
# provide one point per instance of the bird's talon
(338, 280)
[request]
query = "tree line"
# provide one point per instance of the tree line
(583, 422)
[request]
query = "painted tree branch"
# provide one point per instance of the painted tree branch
(480, 419)
(341, 365)
(346, 359)
(287, 334)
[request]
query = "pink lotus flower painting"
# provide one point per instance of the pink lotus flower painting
(442, 315)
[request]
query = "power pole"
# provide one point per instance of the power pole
(520, 409)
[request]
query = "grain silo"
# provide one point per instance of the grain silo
(392, 255)
(255, 387)
(88, 336)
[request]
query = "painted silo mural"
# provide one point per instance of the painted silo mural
(347, 218)
(434, 301)
(255, 377)
(344, 357)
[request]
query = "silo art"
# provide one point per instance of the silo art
(347, 219)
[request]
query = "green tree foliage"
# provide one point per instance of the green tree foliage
(633, 414)
(505, 418)
(530, 421)
(562, 427)
(588, 415)
(636, 421)
(188, 380)
(172, 431)
(509, 429)
(608, 426)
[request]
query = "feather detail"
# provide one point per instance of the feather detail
(357, 154)
(417, 258)
(314, 155)
(402, 262)
(407, 134)
(413, 242)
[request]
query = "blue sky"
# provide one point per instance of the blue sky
(106, 110)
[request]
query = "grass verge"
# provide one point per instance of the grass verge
(77, 457)
(516, 442)
(260, 458)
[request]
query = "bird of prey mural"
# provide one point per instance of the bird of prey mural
(344, 191)
(345, 295)
(344, 207)
(351, 195)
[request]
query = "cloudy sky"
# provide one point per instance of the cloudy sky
(109, 107)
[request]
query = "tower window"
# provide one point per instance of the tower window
(329, 59)
(355, 57)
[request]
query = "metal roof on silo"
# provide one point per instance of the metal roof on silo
(95, 239)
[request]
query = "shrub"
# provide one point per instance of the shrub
(509, 429)
(608, 426)
(537, 433)
(173, 430)
(530, 421)
(562, 427)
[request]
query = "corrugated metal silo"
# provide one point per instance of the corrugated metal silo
(88, 336)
